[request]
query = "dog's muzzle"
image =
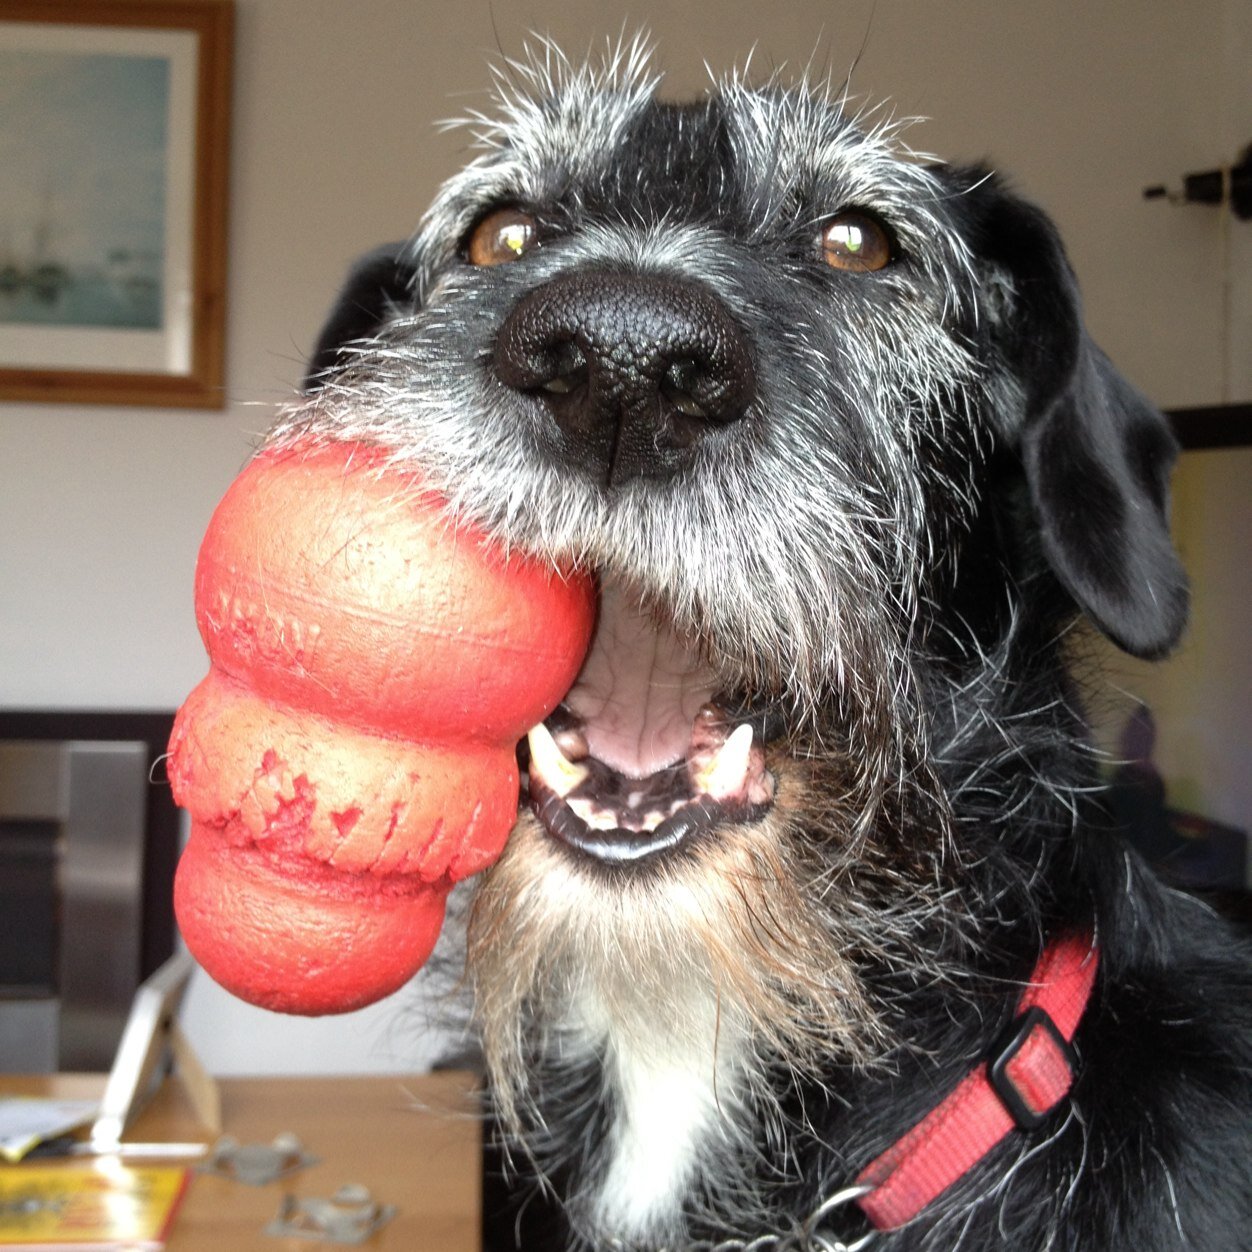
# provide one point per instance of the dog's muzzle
(642, 754)
(639, 374)
(636, 370)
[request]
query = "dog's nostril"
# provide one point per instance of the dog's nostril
(679, 385)
(570, 370)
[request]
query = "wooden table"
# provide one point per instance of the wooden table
(412, 1140)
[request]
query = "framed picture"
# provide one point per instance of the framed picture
(114, 141)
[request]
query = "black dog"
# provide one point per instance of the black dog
(816, 840)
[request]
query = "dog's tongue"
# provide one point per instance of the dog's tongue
(640, 688)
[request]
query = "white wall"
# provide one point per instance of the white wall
(101, 509)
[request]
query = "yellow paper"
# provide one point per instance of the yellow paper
(100, 1204)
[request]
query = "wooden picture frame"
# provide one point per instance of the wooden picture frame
(113, 208)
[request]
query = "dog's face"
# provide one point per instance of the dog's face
(823, 422)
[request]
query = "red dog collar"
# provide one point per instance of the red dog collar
(1030, 1072)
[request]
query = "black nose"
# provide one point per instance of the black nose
(635, 369)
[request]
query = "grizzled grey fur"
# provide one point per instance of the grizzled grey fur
(876, 561)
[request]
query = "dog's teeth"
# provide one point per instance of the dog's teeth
(548, 762)
(596, 818)
(726, 773)
(573, 744)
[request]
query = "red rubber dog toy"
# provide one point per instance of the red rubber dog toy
(351, 753)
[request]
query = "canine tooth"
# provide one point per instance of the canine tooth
(727, 771)
(573, 744)
(549, 763)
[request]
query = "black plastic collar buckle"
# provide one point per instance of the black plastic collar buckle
(1014, 1039)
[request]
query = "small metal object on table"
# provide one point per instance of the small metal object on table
(351, 1215)
(257, 1163)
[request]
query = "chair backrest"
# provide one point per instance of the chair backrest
(85, 909)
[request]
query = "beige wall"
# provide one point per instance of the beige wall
(1203, 694)
(101, 510)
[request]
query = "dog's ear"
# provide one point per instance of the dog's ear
(379, 282)
(1097, 454)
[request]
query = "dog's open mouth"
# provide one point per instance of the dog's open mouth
(641, 755)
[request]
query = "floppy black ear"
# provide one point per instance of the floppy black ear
(378, 282)
(1097, 454)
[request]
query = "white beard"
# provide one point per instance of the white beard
(683, 985)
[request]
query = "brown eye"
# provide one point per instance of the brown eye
(501, 236)
(855, 242)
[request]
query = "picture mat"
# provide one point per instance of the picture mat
(164, 351)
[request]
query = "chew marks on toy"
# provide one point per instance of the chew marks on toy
(351, 753)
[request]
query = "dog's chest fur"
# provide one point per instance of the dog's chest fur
(672, 1111)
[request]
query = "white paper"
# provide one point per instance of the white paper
(26, 1122)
